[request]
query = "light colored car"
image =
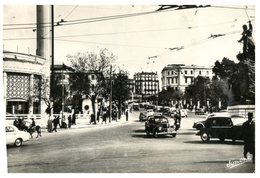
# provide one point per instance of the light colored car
(150, 112)
(15, 136)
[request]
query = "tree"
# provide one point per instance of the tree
(168, 96)
(98, 64)
(198, 90)
(57, 93)
(240, 78)
(120, 88)
(79, 87)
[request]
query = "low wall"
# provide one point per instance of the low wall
(241, 110)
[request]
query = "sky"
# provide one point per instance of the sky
(134, 40)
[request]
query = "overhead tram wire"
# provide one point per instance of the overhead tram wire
(90, 20)
(127, 32)
(110, 44)
(229, 7)
(80, 21)
(175, 49)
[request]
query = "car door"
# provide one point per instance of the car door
(221, 127)
(10, 134)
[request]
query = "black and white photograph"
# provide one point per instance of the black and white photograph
(160, 87)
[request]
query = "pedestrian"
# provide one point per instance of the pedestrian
(249, 136)
(73, 122)
(104, 117)
(56, 121)
(16, 123)
(92, 118)
(126, 114)
(177, 120)
(49, 124)
(69, 121)
(32, 124)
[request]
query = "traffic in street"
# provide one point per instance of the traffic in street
(126, 148)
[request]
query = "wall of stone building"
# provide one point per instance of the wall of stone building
(241, 110)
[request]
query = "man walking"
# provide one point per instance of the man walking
(249, 136)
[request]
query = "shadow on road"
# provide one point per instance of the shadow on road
(141, 134)
(215, 142)
(151, 136)
(186, 133)
(139, 131)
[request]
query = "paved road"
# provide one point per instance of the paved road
(123, 148)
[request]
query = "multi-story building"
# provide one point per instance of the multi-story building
(22, 76)
(146, 83)
(179, 76)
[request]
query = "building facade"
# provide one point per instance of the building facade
(180, 76)
(146, 84)
(22, 76)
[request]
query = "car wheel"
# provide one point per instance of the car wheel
(204, 137)
(155, 134)
(199, 127)
(233, 140)
(222, 139)
(174, 135)
(18, 142)
(147, 132)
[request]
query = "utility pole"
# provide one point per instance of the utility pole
(110, 96)
(52, 58)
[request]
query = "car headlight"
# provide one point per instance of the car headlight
(159, 128)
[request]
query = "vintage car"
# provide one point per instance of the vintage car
(199, 111)
(15, 136)
(159, 125)
(199, 125)
(143, 115)
(220, 127)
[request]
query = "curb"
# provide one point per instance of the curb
(87, 125)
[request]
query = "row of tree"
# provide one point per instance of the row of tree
(80, 87)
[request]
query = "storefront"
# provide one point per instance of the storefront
(22, 76)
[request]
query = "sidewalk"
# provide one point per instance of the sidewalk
(84, 123)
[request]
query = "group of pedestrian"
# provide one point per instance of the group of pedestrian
(20, 123)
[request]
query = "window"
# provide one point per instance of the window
(9, 129)
(17, 107)
(186, 79)
(172, 80)
(92, 77)
(207, 72)
(200, 72)
(176, 80)
(168, 80)
(191, 72)
(92, 87)
(36, 108)
(185, 71)
(168, 72)
(172, 72)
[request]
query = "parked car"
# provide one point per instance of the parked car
(199, 125)
(199, 111)
(159, 125)
(15, 136)
(220, 127)
(143, 116)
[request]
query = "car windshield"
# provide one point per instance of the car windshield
(161, 120)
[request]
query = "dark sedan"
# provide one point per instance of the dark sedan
(159, 125)
(220, 127)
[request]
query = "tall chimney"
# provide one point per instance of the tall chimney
(43, 30)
